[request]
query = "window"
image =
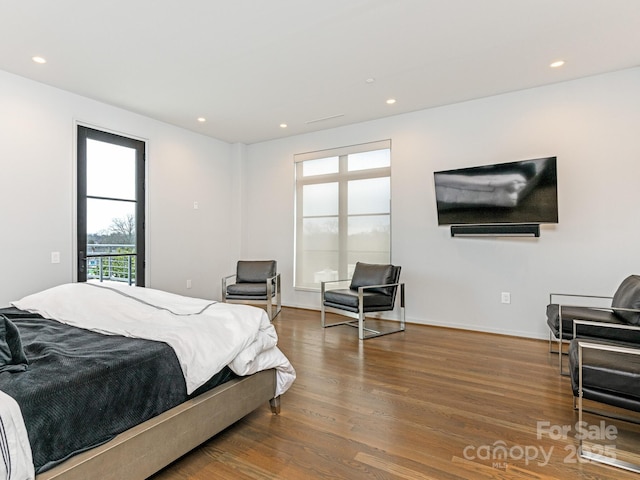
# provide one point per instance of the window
(111, 207)
(343, 211)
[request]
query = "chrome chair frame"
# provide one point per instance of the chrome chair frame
(268, 302)
(577, 321)
(360, 317)
(558, 338)
(586, 454)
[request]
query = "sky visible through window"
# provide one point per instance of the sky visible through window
(110, 173)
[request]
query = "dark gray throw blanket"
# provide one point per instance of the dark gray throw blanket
(12, 358)
(83, 388)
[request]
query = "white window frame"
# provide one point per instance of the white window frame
(342, 177)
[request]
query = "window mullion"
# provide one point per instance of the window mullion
(343, 218)
(299, 238)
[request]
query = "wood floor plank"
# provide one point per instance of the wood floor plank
(428, 403)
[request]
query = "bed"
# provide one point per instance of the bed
(150, 376)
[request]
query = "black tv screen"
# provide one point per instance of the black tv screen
(525, 191)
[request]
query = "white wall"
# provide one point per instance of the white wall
(591, 125)
(245, 195)
(37, 165)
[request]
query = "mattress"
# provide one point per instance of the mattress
(82, 388)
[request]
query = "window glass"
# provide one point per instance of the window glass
(321, 166)
(320, 199)
(111, 170)
(368, 238)
(372, 195)
(366, 160)
(319, 252)
(113, 219)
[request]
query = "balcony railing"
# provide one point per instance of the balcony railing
(114, 262)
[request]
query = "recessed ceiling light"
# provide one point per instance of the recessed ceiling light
(38, 59)
(202, 119)
(283, 125)
(370, 80)
(391, 101)
(557, 63)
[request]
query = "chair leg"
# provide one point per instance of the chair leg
(375, 333)
(560, 357)
(278, 296)
(269, 299)
(322, 319)
(270, 296)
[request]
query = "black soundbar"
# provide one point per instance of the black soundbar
(501, 230)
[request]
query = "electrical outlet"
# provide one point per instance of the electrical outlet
(505, 297)
(196, 205)
(188, 283)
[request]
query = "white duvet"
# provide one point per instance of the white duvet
(204, 334)
(16, 462)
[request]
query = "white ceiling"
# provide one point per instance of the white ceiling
(250, 65)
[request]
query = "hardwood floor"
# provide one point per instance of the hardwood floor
(429, 403)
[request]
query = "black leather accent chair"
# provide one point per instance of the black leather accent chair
(373, 288)
(256, 282)
(607, 373)
(624, 309)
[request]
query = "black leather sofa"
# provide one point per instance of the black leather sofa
(593, 322)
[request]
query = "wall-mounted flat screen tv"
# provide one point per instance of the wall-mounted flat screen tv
(525, 191)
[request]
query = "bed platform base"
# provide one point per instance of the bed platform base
(147, 448)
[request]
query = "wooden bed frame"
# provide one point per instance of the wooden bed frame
(147, 448)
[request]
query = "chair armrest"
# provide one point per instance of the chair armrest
(336, 281)
(586, 307)
(612, 309)
(609, 347)
(380, 286)
(577, 322)
(575, 295)
(561, 306)
(270, 281)
(276, 277)
(224, 286)
(606, 347)
(225, 279)
(324, 289)
(622, 309)
(397, 284)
